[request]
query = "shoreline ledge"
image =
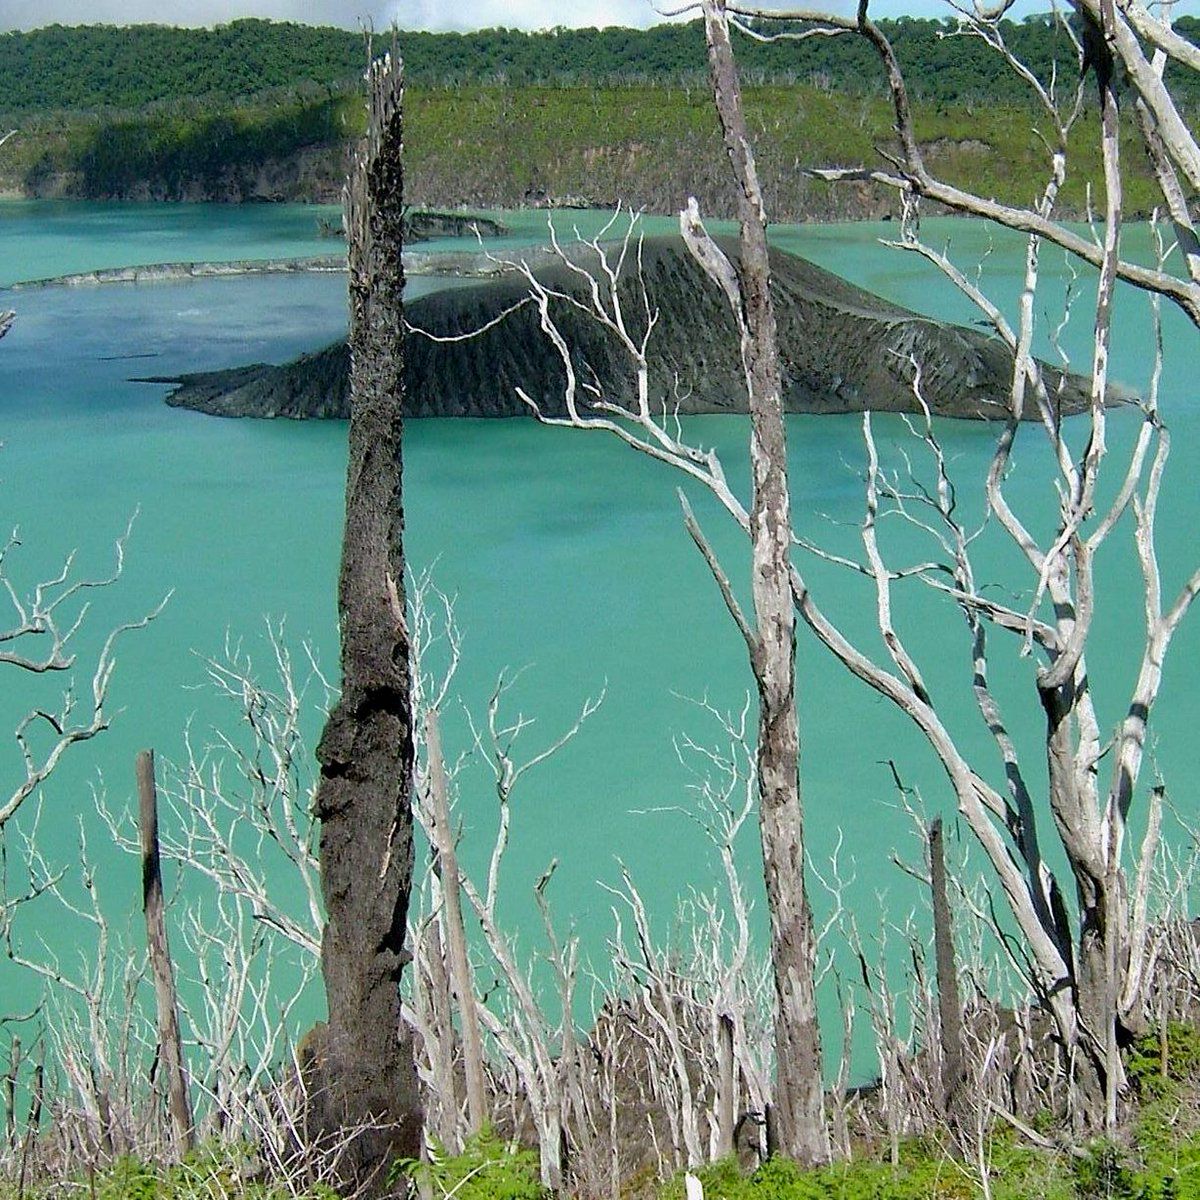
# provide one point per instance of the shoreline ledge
(452, 264)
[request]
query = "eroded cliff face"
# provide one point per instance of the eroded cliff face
(313, 175)
(843, 350)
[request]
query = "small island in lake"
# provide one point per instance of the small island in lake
(844, 349)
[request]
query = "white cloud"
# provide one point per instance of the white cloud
(544, 14)
(519, 14)
(30, 14)
(408, 14)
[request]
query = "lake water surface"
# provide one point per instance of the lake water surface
(566, 553)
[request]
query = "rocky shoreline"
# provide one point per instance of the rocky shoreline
(168, 272)
(421, 225)
(451, 264)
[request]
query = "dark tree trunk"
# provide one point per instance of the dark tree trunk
(949, 1001)
(364, 1072)
(170, 1041)
(799, 1090)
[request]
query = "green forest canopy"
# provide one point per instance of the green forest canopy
(102, 67)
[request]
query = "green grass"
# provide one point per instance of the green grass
(488, 1169)
(1156, 1157)
(217, 1171)
(498, 146)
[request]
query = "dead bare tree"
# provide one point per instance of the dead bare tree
(100, 1046)
(679, 1048)
(1089, 968)
(678, 1055)
(770, 639)
(948, 998)
(698, 1004)
(362, 1073)
(1120, 33)
(239, 805)
(538, 1048)
(799, 1086)
(1092, 978)
(47, 623)
(170, 1041)
(40, 641)
(461, 975)
(98, 1037)
(442, 982)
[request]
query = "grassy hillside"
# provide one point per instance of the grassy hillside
(654, 147)
(503, 146)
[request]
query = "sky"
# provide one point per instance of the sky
(407, 14)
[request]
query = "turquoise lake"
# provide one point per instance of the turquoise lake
(566, 554)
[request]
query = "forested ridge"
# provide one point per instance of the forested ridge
(261, 110)
(84, 68)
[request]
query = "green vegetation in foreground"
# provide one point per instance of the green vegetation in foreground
(84, 68)
(923, 1171)
(489, 1168)
(1157, 1158)
(496, 146)
(216, 1171)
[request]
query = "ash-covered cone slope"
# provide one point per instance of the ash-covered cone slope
(843, 349)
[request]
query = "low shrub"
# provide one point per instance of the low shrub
(488, 1168)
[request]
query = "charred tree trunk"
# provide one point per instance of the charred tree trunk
(364, 1072)
(799, 1092)
(948, 998)
(170, 1042)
